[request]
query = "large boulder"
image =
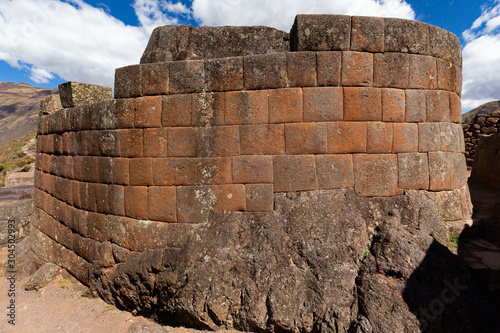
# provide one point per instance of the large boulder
(325, 261)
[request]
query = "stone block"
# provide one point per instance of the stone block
(441, 171)
(265, 139)
(415, 106)
(108, 143)
(437, 106)
(449, 205)
(265, 71)
(128, 82)
(455, 49)
(367, 34)
(306, 138)
(148, 111)
(458, 80)
(357, 68)
(105, 170)
(121, 173)
(334, 171)
(259, 197)
(347, 137)
(141, 173)
(208, 109)
(376, 174)
(301, 69)
(89, 169)
(136, 202)
(252, 169)
(406, 36)
(217, 141)
(224, 74)
(50, 104)
(155, 142)
(439, 43)
(162, 203)
(445, 75)
(294, 173)
(87, 196)
(182, 141)
(187, 76)
(405, 138)
(285, 105)
(429, 137)
(379, 137)
(123, 110)
(180, 42)
(460, 169)
(116, 194)
(155, 79)
(455, 108)
(329, 68)
(76, 93)
(413, 171)
(423, 72)
(323, 104)
(191, 171)
(391, 70)
(393, 105)
(362, 104)
(130, 142)
(194, 203)
(246, 107)
(96, 225)
(320, 33)
(102, 198)
(449, 137)
(176, 110)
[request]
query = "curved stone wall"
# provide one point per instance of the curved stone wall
(366, 103)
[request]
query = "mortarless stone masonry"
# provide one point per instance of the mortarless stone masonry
(369, 104)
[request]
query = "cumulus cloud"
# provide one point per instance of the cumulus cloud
(275, 13)
(74, 40)
(480, 58)
(79, 42)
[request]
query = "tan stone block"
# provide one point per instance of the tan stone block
(362, 104)
(357, 68)
(148, 111)
(429, 137)
(246, 107)
(329, 68)
(423, 72)
(323, 104)
(294, 173)
(306, 138)
(176, 110)
(347, 137)
(162, 203)
(391, 70)
(415, 106)
(155, 78)
(224, 74)
(252, 169)
(406, 138)
(393, 105)
(136, 202)
(442, 172)
(285, 105)
(376, 174)
(334, 171)
(380, 137)
(264, 71)
(141, 173)
(413, 171)
(259, 197)
(265, 139)
(301, 69)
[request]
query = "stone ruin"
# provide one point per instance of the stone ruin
(477, 127)
(245, 177)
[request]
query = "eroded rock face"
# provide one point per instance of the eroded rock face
(304, 267)
(185, 42)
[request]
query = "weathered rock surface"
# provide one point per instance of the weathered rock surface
(43, 276)
(15, 210)
(76, 93)
(304, 267)
(185, 42)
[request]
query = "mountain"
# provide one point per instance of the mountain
(19, 105)
(482, 109)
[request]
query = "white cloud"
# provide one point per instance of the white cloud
(276, 13)
(71, 39)
(481, 62)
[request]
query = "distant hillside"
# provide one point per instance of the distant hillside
(19, 105)
(483, 109)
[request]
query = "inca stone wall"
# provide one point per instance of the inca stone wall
(486, 167)
(348, 107)
(475, 128)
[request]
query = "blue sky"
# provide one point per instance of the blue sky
(52, 41)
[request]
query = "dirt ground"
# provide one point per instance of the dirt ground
(60, 307)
